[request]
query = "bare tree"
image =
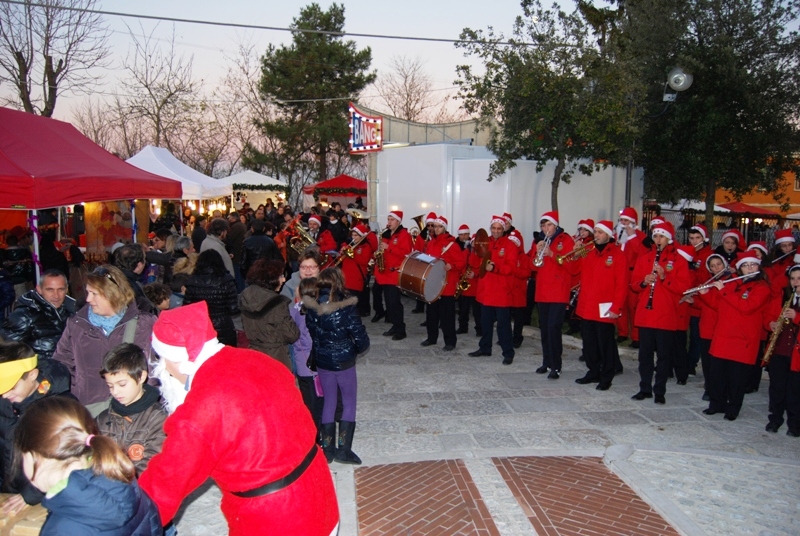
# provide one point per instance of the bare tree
(47, 48)
(406, 90)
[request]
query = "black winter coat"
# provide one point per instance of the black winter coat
(19, 263)
(336, 331)
(37, 323)
(219, 293)
(258, 246)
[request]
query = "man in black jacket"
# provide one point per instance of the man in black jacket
(258, 246)
(41, 315)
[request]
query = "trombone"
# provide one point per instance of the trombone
(577, 253)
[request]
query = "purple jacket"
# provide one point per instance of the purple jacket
(301, 349)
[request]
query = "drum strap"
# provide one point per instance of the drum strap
(447, 247)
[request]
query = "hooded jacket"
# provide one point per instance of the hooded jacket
(336, 330)
(267, 323)
(219, 293)
(37, 323)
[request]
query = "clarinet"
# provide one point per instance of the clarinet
(653, 284)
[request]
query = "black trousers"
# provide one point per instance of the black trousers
(551, 318)
(705, 362)
(310, 398)
(441, 314)
(501, 315)
(754, 378)
(468, 305)
(394, 308)
(651, 342)
(377, 298)
(600, 350)
(518, 316)
(530, 300)
(728, 382)
(784, 392)
(363, 300)
(680, 357)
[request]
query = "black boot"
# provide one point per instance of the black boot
(344, 454)
(328, 440)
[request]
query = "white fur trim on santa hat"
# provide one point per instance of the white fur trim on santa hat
(178, 354)
(605, 228)
(498, 219)
(441, 220)
(747, 258)
(515, 239)
(551, 217)
(315, 218)
(585, 226)
(663, 232)
(782, 239)
(463, 229)
(701, 230)
(396, 216)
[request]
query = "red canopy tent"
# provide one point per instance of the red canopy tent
(342, 186)
(48, 163)
(738, 207)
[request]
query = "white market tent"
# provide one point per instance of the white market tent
(687, 204)
(195, 185)
(255, 185)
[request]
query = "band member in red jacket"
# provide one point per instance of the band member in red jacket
(604, 289)
(494, 293)
(737, 335)
(782, 259)
(519, 294)
(659, 278)
(630, 239)
(698, 237)
(467, 304)
(324, 238)
(553, 284)
(442, 312)
(395, 245)
(356, 269)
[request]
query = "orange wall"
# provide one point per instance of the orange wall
(759, 199)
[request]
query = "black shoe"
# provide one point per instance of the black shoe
(571, 331)
(641, 395)
(772, 427)
(541, 370)
(621, 339)
(693, 371)
(554, 375)
(706, 398)
(364, 314)
(730, 417)
(603, 386)
(478, 333)
(518, 343)
(584, 380)
(377, 317)
(635, 344)
(417, 311)
(619, 371)
(582, 359)
(793, 433)
(479, 353)
(508, 360)
(424, 324)
(427, 342)
(398, 336)
(390, 332)
(660, 399)
(709, 411)
(461, 331)
(449, 347)
(681, 382)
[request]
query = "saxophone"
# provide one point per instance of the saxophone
(463, 283)
(379, 262)
(773, 339)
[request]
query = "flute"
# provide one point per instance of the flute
(724, 282)
(711, 279)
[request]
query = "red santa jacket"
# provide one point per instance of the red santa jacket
(446, 248)
(553, 280)
(355, 269)
(666, 293)
(778, 280)
(227, 429)
(737, 335)
(417, 243)
(325, 241)
(604, 279)
(495, 288)
(398, 246)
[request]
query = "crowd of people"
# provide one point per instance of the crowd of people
(153, 379)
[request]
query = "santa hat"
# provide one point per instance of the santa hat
(656, 220)
(791, 269)
(605, 226)
(629, 213)
(315, 218)
(664, 229)
(186, 336)
(586, 224)
(464, 228)
(430, 218)
(687, 252)
(784, 235)
(441, 220)
(747, 256)
(397, 214)
(507, 217)
(700, 228)
(551, 216)
(716, 256)
(515, 238)
(758, 245)
(498, 219)
(735, 234)
(361, 229)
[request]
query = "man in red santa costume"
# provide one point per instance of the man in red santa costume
(239, 419)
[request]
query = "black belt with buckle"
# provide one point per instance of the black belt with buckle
(281, 483)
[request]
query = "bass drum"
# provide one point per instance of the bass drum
(422, 277)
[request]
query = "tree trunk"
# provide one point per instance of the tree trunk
(323, 163)
(711, 191)
(556, 181)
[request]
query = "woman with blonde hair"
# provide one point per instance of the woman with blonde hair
(109, 318)
(89, 481)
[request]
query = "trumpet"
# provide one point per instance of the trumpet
(379, 262)
(577, 253)
(539, 260)
(724, 282)
(349, 250)
(463, 283)
(773, 339)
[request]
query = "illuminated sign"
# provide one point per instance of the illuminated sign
(365, 132)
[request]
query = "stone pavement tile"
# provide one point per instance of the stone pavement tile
(495, 440)
(550, 390)
(507, 514)
(611, 418)
(604, 401)
(513, 380)
(669, 415)
(583, 439)
(414, 426)
(469, 423)
(534, 405)
(465, 407)
(578, 495)
(374, 447)
(727, 495)
(537, 421)
(402, 397)
(457, 442)
(437, 497)
(539, 440)
(480, 395)
(388, 410)
(671, 434)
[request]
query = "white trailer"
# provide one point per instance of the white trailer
(451, 180)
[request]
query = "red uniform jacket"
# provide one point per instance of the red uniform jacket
(417, 243)
(553, 280)
(521, 275)
(446, 248)
(604, 279)
(472, 262)
(664, 314)
(399, 245)
(325, 241)
(355, 269)
(496, 287)
(778, 280)
(737, 335)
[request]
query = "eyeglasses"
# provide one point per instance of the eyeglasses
(306, 268)
(103, 272)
